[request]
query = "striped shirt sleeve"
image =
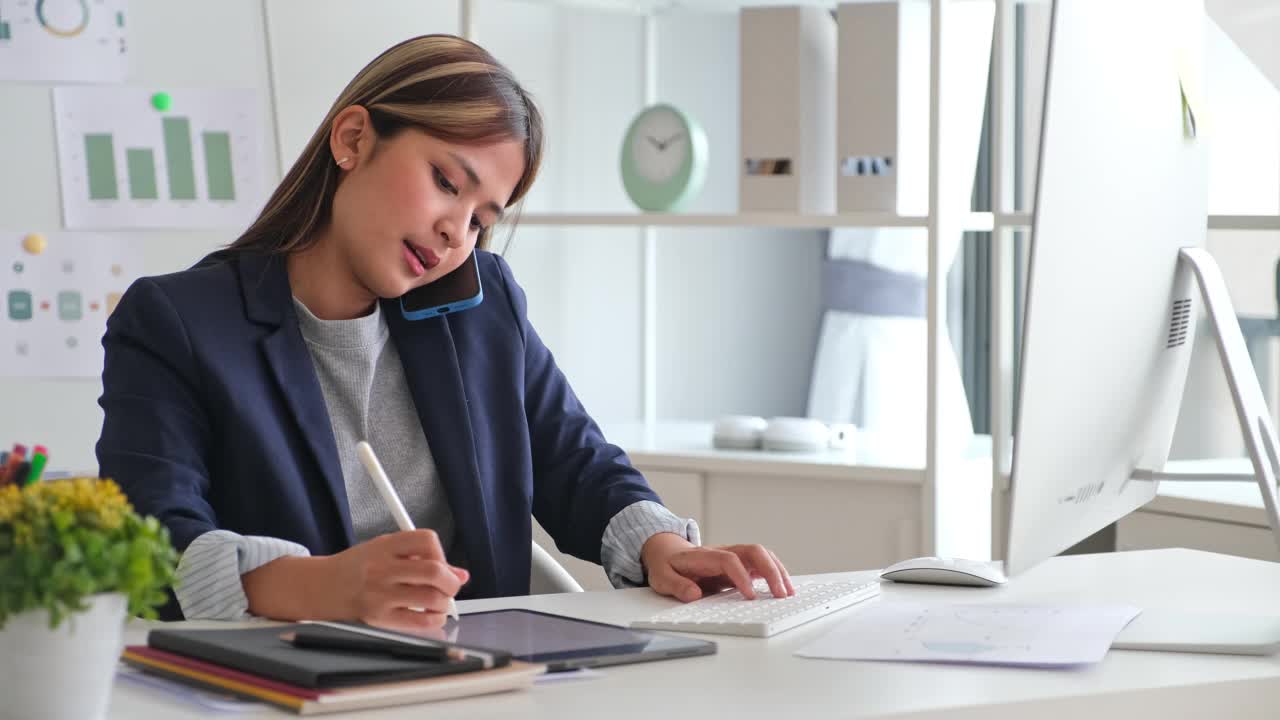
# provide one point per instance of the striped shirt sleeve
(208, 583)
(627, 533)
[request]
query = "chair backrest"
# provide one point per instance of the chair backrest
(548, 576)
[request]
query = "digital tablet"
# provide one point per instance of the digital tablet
(564, 643)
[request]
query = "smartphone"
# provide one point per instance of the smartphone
(452, 293)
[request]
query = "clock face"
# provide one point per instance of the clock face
(660, 145)
(664, 159)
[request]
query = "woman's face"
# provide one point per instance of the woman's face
(409, 208)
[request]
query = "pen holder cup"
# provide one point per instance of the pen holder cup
(62, 673)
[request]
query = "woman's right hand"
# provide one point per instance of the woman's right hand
(399, 581)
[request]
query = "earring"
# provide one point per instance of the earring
(343, 161)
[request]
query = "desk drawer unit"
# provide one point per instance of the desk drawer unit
(1145, 530)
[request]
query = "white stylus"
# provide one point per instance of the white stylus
(388, 493)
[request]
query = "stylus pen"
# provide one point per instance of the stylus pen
(487, 658)
(356, 642)
(388, 493)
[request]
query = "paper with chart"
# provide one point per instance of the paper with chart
(132, 157)
(1034, 635)
(63, 41)
(57, 290)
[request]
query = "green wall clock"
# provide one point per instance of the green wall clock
(664, 158)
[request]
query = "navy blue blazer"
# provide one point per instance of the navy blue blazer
(214, 418)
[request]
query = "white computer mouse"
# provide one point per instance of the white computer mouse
(945, 571)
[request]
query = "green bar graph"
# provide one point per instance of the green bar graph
(142, 174)
(4, 31)
(178, 160)
(101, 158)
(145, 164)
(217, 165)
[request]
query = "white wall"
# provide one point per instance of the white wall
(698, 71)
(737, 310)
(317, 46)
(171, 44)
(738, 317)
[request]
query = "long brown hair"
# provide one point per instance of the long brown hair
(448, 87)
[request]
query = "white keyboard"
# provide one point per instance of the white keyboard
(728, 613)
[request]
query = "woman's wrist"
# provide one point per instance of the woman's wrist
(295, 588)
(660, 546)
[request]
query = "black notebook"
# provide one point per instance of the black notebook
(261, 651)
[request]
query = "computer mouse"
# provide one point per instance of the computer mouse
(945, 571)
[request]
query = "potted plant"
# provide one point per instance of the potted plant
(74, 558)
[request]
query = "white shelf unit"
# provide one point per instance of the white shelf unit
(975, 221)
(943, 219)
(1244, 222)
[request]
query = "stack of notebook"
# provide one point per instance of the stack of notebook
(314, 668)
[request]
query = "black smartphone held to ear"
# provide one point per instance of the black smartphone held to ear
(452, 293)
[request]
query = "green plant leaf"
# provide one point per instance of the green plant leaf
(66, 540)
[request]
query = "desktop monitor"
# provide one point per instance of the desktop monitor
(1110, 313)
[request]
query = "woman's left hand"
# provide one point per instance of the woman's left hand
(684, 571)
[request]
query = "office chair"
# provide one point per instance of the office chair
(548, 576)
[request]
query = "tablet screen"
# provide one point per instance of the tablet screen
(568, 642)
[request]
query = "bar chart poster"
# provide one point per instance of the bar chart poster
(63, 41)
(133, 157)
(56, 292)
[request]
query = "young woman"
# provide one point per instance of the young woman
(235, 392)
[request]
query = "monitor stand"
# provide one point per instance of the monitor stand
(1220, 632)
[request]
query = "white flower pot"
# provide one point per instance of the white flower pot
(64, 673)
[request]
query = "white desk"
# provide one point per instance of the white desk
(761, 678)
